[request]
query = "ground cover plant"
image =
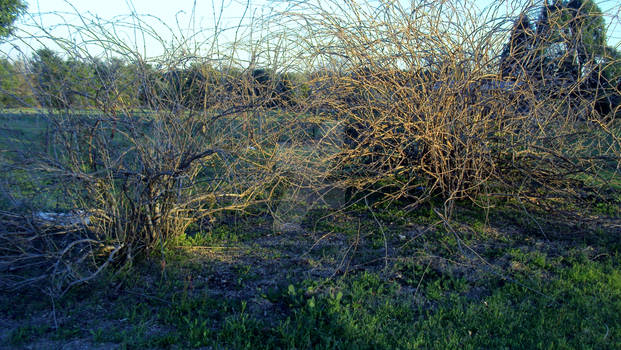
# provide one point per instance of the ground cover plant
(363, 175)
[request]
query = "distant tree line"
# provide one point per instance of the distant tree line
(565, 45)
(48, 80)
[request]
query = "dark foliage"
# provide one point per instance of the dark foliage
(10, 10)
(51, 80)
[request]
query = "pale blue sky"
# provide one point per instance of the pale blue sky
(184, 16)
(181, 17)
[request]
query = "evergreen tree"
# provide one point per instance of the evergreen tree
(571, 35)
(566, 52)
(9, 11)
(514, 60)
(51, 80)
(587, 29)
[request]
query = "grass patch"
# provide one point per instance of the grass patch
(540, 294)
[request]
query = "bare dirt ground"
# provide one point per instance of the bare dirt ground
(253, 268)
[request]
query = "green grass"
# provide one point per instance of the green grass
(366, 311)
(538, 294)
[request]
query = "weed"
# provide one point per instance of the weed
(24, 333)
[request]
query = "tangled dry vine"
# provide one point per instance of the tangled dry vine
(336, 103)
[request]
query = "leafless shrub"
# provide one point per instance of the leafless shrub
(429, 108)
(408, 102)
(168, 143)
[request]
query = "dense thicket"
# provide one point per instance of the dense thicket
(371, 105)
